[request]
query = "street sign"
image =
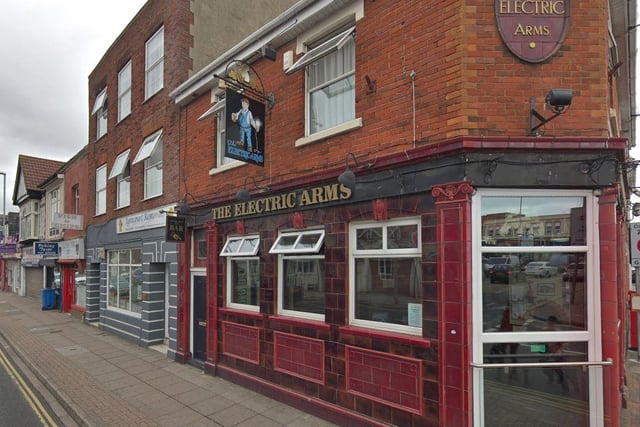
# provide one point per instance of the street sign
(634, 241)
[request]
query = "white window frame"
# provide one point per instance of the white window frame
(292, 251)
(154, 66)
(132, 266)
(120, 171)
(239, 249)
(355, 253)
(219, 111)
(124, 91)
(591, 335)
(153, 187)
(101, 190)
(100, 110)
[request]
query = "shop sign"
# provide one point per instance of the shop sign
(72, 249)
(533, 30)
(244, 130)
(67, 221)
(286, 201)
(30, 261)
(143, 220)
(175, 228)
(45, 248)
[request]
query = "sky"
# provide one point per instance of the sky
(48, 48)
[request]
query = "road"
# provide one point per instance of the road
(21, 405)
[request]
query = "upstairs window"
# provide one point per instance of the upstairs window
(330, 89)
(120, 171)
(151, 154)
(100, 110)
(101, 190)
(154, 64)
(124, 91)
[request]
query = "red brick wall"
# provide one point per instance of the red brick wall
(147, 116)
(467, 83)
(75, 174)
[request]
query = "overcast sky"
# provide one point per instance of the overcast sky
(47, 50)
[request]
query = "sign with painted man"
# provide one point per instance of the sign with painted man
(244, 128)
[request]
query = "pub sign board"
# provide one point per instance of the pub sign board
(533, 30)
(175, 229)
(244, 130)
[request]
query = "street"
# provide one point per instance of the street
(20, 404)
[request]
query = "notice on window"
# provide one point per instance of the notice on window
(414, 312)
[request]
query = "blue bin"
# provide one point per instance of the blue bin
(48, 299)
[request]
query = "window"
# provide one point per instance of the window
(199, 250)
(151, 153)
(120, 171)
(536, 293)
(243, 272)
(154, 64)
(330, 85)
(124, 91)
(29, 220)
(301, 273)
(220, 114)
(386, 275)
(101, 190)
(76, 195)
(56, 202)
(100, 110)
(124, 276)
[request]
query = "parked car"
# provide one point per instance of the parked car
(504, 273)
(540, 268)
(489, 263)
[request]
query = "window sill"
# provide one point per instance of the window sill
(394, 336)
(241, 312)
(277, 322)
(336, 130)
(224, 168)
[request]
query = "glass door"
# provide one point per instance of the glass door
(537, 352)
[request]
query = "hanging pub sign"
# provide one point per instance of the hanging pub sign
(175, 229)
(533, 30)
(244, 130)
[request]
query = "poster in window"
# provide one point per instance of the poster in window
(245, 128)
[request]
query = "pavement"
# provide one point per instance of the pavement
(99, 379)
(90, 377)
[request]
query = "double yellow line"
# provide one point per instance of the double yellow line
(29, 395)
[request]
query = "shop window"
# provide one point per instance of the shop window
(536, 299)
(301, 291)
(386, 275)
(124, 278)
(243, 272)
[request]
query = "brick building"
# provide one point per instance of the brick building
(360, 294)
(134, 158)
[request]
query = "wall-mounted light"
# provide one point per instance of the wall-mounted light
(243, 195)
(558, 100)
(348, 177)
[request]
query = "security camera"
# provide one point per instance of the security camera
(559, 99)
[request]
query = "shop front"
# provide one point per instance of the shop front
(130, 268)
(374, 300)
